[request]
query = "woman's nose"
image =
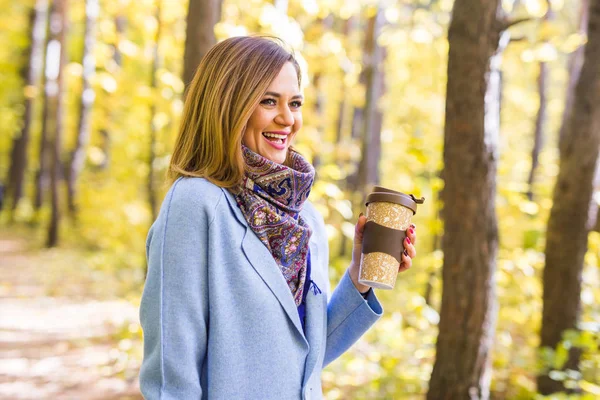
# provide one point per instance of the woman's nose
(285, 117)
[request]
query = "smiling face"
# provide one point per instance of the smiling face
(275, 121)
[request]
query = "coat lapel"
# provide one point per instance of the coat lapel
(262, 261)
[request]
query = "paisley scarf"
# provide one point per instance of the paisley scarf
(271, 197)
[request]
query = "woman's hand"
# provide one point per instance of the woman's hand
(409, 248)
(409, 251)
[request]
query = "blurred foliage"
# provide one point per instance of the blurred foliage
(395, 358)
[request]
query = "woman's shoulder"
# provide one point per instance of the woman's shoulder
(196, 186)
(193, 195)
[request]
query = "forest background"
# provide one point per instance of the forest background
(92, 127)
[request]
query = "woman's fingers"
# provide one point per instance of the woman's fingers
(409, 248)
(359, 228)
(411, 233)
(406, 262)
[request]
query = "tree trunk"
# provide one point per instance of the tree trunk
(343, 112)
(368, 168)
(570, 218)
(349, 27)
(470, 240)
(574, 68)
(538, 134)
(120, 25)
(105, 135)
(318, 121)
(31, 74)
(358, 112)
(200, 36)
(56, 60)
(42, 177)
(87, 100)
(343, 126)
(320, 99)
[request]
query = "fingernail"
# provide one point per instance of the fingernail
(405, 253)
(413, 226)
(408, 239)
(412, 231)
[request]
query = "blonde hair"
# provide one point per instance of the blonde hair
(227, 86)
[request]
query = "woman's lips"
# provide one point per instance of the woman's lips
(278, 146)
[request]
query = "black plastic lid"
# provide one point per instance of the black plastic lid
(391, 196)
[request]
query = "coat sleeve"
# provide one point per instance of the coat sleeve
(349, 316)
(174, 305)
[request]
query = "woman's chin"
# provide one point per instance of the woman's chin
(278, 160)
(277, 157)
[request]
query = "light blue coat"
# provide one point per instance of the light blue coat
(219, 320)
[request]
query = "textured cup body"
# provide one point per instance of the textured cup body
(380, 269)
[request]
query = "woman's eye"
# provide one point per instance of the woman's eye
(268, 102)
(296, 104)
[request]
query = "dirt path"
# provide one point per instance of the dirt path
(59, 340)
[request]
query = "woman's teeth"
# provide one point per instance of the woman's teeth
(275, 138)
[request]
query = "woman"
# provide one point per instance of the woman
(237, 303)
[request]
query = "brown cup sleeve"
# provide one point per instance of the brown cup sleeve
(381, 239)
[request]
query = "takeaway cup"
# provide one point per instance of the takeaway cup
(389, 214)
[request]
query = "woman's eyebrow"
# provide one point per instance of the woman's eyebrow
(298, 96)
